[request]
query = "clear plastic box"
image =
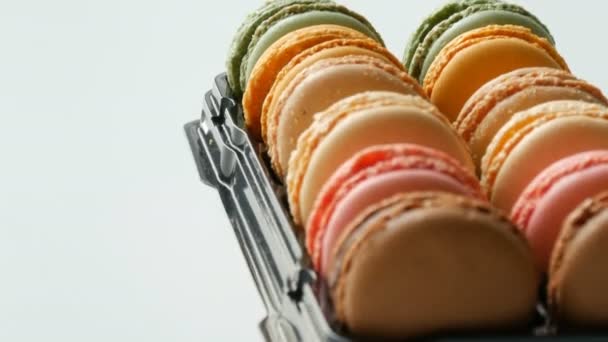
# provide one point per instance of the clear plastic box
(237, 166)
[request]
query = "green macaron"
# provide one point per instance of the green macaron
(456, 18)
(276, 19)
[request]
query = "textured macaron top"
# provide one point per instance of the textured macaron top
(581, 220)
(372, 162)
(525, 122)
(484, 34)
(527, 202)
(326, 121)
(367, 70)
(279, 54)
(388, 254)
(283, 17)
(425, 46)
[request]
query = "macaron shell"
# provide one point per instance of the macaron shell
(330, 49)
(580, 290)
(543, 147)
(376, 189)
(544, 181)
(533, 140)
(523, 100)
(462, 66)
(277, 56)
(351, 132)
(245, 33)
(577, 277)
(294, 17)
(554, 193)
(551, 210)
(403, 162)
(394, 276)
(341, 77)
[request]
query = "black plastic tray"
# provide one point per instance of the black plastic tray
(229, 161)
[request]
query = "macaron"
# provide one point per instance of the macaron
(429, 263)
(278, 55)
(338, 77)
(577, 277)
(277, 18)
(458, 17)
(492, 105)
(376, 173)
(536, 138)
(480, 55)
(546, 202)
(356, 123)
(329, 49)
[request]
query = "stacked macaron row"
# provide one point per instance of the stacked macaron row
(397, 226)
(538, 135)
(466, 43)
(379, 183)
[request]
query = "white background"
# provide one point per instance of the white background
(105, 232)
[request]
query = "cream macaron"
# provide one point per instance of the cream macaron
(319, 86)
(536, 138)
(491, 107)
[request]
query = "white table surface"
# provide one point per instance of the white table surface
(106, 233)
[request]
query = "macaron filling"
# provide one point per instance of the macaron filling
(298, 21)
(478, 20)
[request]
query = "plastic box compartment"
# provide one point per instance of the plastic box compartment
(236, 166)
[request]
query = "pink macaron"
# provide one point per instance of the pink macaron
(372, 175)
(545, 203)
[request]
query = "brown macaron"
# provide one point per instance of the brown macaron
(431, 262)
(578, 277)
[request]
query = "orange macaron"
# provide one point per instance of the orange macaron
(480, 55)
